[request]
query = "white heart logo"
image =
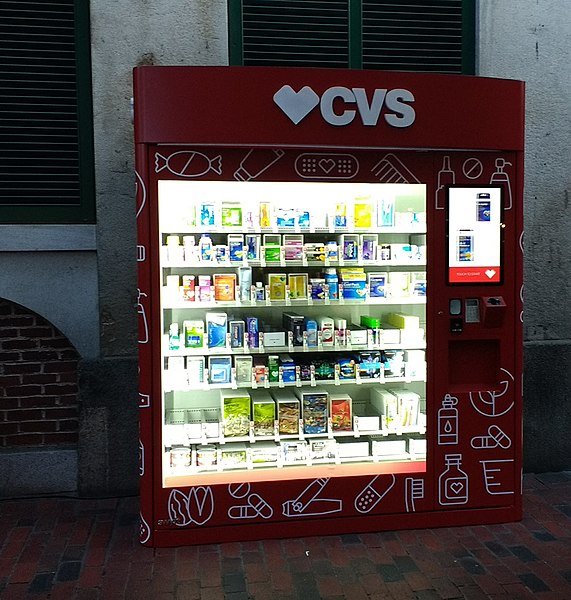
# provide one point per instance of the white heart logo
(296, 105)
(490, 273)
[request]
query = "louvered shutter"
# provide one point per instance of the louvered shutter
(39, 129)
(296, 33)
(403, 35)
(413, 35)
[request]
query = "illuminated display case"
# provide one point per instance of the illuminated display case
(329, 304)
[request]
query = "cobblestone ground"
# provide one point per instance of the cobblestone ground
(88, 550)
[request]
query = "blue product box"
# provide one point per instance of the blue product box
(253, 328)
(354, 290)
(288, 369)
(216, 328)
(220, 369)
(378, 285)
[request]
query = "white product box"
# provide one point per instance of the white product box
(322, 449)
(353, 449)
(211, 422)
(193, 426)
(174, 435)
(390, 335)
(273, 339)
(233, 455)
(408, 407)
(294, 451)
(359, 335)
(386, 403)
(417, 446)
(388, 447)
(368, 423)
(264, 452)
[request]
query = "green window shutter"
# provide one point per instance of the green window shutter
(46, 147)
(401, 35)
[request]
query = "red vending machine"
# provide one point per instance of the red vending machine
(330, 278)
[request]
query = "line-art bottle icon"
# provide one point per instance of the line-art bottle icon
(501, 177)
(446, 176)
(453, 482)
(448, 421)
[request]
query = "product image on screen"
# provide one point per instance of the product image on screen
(474, 234)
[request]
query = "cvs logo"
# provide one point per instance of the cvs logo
(339, 105)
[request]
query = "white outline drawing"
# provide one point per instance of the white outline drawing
(296, 105)
(499, 176)
(256, 161)
(446, 176)
(195, 507)
(496, 438)
(141, 253)
(521, 242)
(308, 503)
(453, 482)
(144, 400)
(326, 166)
(181, 162)
(490, 403)
(144, 530)
(521, 299)
(140, 185)
(369, 497)
(448, 421)
(143, 315)
(391, 169)
(472, 168)
(141, 458)
(255, 505)
(491, 468)
(413, 490)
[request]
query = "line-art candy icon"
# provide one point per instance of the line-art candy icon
(493, 403)
(374, 492)
(188, 163)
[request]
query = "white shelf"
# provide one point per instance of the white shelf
(290, 263)
(409, 229)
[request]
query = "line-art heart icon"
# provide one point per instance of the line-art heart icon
(490, 273)
(456, 487)
(296, 105)
(327, 164)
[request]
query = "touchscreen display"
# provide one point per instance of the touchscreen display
(474, 234)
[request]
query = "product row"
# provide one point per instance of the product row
(278, 370)
(236, 455)
(294, 412)
(222, 331)
(359, 213)
(276, 248)
(331, 284)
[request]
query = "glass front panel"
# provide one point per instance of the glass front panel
(293, 329)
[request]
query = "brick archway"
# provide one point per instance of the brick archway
(38, 381)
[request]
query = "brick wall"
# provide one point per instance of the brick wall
(38, 381)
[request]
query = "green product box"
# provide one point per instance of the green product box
(263, 413)
(273, 368)
(235, 413)
(370, 322)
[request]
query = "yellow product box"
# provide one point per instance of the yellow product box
(363, 212)
(277, 286)
(297, 283)
(403, 321)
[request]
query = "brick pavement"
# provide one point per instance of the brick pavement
(88, 550)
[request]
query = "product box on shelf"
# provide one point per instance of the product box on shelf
(180, 458)
(386, 212)
(377, 284)
(195, 366)
(193, 425)
(265, 452)
(363, 214)
(293, 451)
(398, 284)
(235, 410)
(252, 247)
(236, 248)
(233, 455)
(289, 412)
(348, 247)
(293, 247)
(287, 367)
(418, 284)
(347, 368)
(272, 247)
(370, 365)
(358, 335)
(340, 410)
(263, 412)
(273, 339)
(408, 407)
(294, 323)
(253, 331)
(220, 369)
(224, 287)
(416, 446)
(273, 368)
(403, 321)
(237, 329)
(348, 449)
(216, 329)
(297, 283)
(382, 446)
(390, 335)
(369, 247)
(386, 404)
(231, 214)
(393, 364)
(322, 450)
(277, 286)
(367, 422)
(243, 366)
(313, 409)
